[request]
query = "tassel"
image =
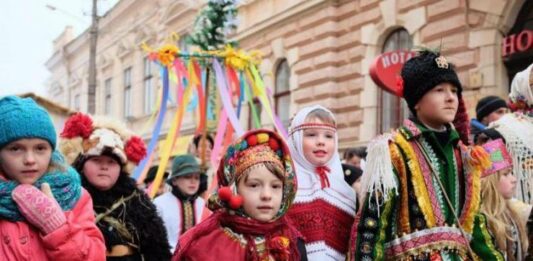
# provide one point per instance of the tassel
(378, 177)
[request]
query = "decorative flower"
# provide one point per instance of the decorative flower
(167, 54)
(135, 149)
(279, 247)
(78, 124)
(479, 158)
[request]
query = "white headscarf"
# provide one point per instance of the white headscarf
(517, 129)
(339, 193)
(521, 87)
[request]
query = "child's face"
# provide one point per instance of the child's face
(507, 184)
(318, 144)
(102, 172)
(354, 161)
(25, 160)
(188, 184)
(203, 143)
(438, 106)
(262, 192)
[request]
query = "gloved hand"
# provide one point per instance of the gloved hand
(39, 207)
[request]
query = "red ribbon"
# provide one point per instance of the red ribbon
(322, 172)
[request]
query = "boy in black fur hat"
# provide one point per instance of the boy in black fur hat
(423, 184)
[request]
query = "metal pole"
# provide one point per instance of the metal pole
(92, 60)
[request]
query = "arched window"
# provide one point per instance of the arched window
(393, 110)
(282, 95)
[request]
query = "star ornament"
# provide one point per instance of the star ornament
(441, 62)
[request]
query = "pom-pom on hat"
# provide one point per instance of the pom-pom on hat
(86, 136)
(254, 147)
(22, 118)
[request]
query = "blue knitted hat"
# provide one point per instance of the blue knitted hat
(23, 118)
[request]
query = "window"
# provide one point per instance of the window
(107, 96)
(393, 110)
(77, 102)
(282, 95)
(127, 93)
(148, 86)
(258, 109)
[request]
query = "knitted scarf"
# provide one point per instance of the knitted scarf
(65, 185)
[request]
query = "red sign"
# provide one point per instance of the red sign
(517, 43)
(385, 70)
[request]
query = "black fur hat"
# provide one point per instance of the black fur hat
(423, 72)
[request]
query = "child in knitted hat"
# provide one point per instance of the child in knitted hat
(488, 109)
(104, 153)
(256, 187)
(421, 184)
(181, 208)
(498, 185)
(321, 185)
(45, 214)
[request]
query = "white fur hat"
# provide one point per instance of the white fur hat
(87, 136)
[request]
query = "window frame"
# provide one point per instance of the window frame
(148, 86)
(395, 105)
(127, 92)
(279, 94)
(107, 95)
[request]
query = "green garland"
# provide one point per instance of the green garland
(213, 23)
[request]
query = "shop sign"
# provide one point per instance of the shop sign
(385, 70)
(517, 43)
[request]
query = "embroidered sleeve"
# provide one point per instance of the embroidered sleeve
(482, 242)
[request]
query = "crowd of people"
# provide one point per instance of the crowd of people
(440, 187)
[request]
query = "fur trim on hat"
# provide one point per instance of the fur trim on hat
(423, 72)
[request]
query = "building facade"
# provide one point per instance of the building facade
(315, 51)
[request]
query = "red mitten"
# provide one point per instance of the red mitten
(39, 207)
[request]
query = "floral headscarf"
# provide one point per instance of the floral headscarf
(255, 147)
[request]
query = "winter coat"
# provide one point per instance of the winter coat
(78, 239)
(136, 213)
